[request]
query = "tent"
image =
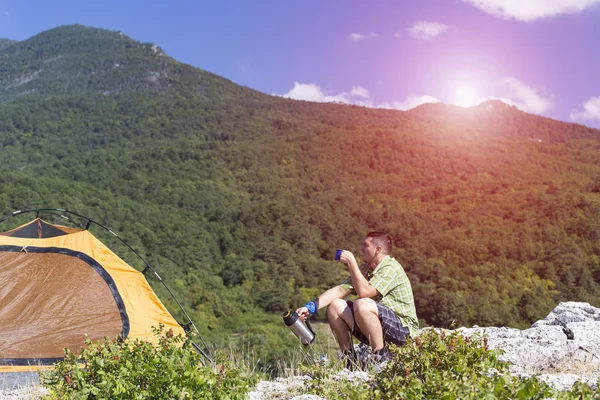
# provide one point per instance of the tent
(58, 284)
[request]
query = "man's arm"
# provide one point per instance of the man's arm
(360, 284)
(336, 292)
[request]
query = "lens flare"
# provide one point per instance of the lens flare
(466, 96)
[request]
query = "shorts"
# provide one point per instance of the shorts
(393, 331)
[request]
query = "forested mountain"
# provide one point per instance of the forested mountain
(238, 199)
(6, 42)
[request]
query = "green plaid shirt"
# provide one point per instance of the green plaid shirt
(395, 290)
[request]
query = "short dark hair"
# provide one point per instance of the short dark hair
(382, 239)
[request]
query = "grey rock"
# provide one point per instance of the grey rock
(569, 312)
(562, 347)
(280, 388)
(587, 330)
(27, 393)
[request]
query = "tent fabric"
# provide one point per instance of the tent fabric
(57, 289)
(39, 229)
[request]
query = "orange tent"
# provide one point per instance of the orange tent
(58, 284)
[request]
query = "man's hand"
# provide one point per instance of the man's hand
(348, 258)
(360, 284)
(303, 313)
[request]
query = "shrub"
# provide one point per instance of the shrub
(436, 365)
(140, 370)
(449, 365)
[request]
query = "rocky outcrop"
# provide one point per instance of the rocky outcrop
(562, 348)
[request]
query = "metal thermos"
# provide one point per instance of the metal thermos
(304, 332)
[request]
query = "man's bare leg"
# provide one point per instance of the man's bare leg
(366, 316)
(341, 322)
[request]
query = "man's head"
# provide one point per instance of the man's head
(376, 246)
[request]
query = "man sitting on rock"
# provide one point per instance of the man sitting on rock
(385, 309)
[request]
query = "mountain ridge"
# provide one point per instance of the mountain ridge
(129, 64)
(79, 59)
(498, 117)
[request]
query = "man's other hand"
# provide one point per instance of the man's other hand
(303, 313)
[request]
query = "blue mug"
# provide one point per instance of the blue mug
(338, 254)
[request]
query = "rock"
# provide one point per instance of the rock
(585, 330)
(570, 312)
(560, 348)
(285, 388)
(279, 388)
(27, 393)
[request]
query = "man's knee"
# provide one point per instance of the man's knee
(336, 308)
(365, 305)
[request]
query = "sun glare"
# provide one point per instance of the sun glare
(466, 96)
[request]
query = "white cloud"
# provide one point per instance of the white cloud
(398, 35)
(525, 97)
(357, 37)
(529, 10)
(312, 92)
(358, 95)
(305, 91)
(427, 30)
(360, 92)
(408, 103)
(591, 111)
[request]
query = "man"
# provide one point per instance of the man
(385, 309)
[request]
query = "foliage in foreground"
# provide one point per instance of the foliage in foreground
(140, 370)
(442, 365)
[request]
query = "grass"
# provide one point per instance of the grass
(322, 351)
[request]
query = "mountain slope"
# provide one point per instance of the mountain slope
(6, 42)
(78, 59)
(238, 198)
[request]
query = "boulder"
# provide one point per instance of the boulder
(562, 348)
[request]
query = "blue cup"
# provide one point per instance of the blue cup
(338, 254)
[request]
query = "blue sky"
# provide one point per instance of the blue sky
(541, 55)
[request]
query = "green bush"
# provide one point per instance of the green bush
(442, 365)
(172, 369)
(452, 366)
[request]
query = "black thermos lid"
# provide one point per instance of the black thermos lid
(290, 318)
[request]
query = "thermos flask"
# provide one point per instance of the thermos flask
(304, 332)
